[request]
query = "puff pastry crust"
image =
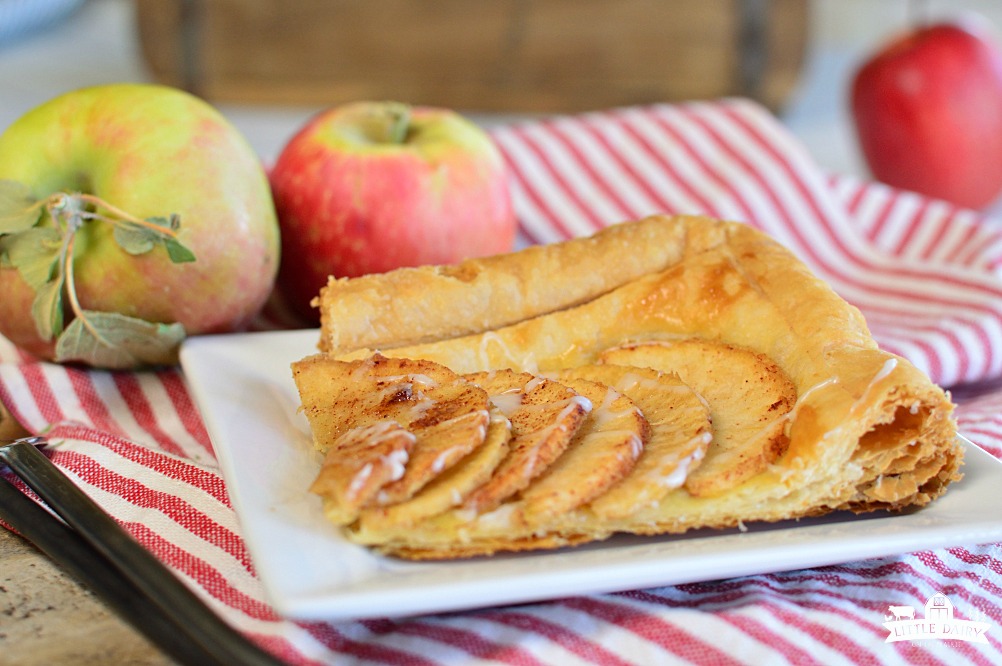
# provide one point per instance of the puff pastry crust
(847, 425)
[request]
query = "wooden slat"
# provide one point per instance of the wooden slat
(511, 55)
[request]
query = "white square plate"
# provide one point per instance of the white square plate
(244, 387)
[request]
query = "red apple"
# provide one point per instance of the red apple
(130, 152)
(372, 186)
(928, 113)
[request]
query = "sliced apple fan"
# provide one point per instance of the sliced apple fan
(663, 375)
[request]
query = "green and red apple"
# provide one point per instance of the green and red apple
(368, 187)
(928, 112)
(146, 153)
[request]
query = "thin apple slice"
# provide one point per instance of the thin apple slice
(748, 396)
(440, 445)
(680, 434)
(358, 465)
(447, 415)
(544, 416)
(603, 451)
(446, 491)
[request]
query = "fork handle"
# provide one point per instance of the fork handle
(138, 565)
(75, 556)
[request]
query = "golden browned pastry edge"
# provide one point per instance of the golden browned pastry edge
(868, 430)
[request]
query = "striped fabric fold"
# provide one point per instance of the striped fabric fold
(927, 276)
(941, 309)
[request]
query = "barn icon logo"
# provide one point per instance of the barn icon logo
(939, 623)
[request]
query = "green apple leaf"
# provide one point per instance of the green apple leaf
(47, 308)
(134, 239)
(117, 341)
(177, 252)
(43, 255)
(34, 252)
(19, 210)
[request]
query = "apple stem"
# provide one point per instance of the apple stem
(66, 261)
(56, 206)
(398, 122)
(71, 290)
(68, 208)
(118, 212)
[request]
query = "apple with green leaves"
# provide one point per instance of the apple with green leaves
(927, 108)
(367, 187)
(131, 216)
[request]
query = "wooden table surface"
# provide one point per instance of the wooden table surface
(47, 618)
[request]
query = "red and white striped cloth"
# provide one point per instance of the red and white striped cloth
(927, 276)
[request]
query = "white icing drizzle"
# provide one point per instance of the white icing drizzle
(442, 458)
(397, 462)
(358, 481)
(632, 380)
(408, 378)
(499, 518)
(528, 363)
(678, 475)
(604, 413)
(886, 370)
(568, 403)
(636, 446)
(508, 401)
(578, 400)
(380, 431)
(803, 396)
(883, 373)
(439, 463)
(558, 424)
(534, 383)
(681, 471)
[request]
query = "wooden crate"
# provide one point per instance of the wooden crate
(501, 56)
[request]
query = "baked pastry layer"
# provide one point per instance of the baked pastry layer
(810, 415)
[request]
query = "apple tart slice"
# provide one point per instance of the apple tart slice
(762, 394)
(388, 426)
